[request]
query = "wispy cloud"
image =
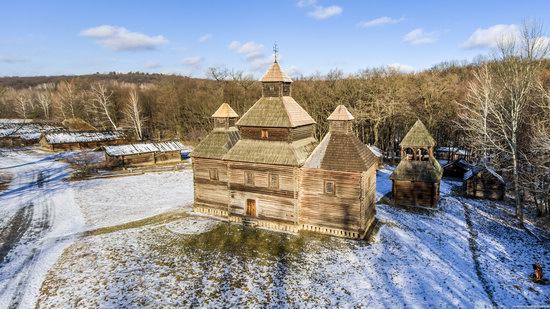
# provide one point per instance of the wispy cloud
(419, 36)
(205, 38)
(151, 65)
(322, 12)
(492, 36)
(119, 38)
(403, 68)
(380, 21)
(12, 59)
(192, 60)
(251, 50)
(304, 3)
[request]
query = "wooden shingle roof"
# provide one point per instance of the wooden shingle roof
(272, 152)
(275, 74)
(217, 144)
(283, 112)
(340, 113)
(339, 151)
(418, 136)
(225, 111)
(410, 170)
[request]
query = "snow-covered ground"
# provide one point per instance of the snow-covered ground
(41, 213)
(468, 253)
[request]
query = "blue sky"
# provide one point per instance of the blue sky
(186, 37)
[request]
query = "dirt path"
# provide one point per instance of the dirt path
(472, 242)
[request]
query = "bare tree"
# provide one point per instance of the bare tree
(101, 97)
(23, 99)
(66, 99)
(134, 114)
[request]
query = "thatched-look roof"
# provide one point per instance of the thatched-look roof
(272, 152)
(410, 170)
(282, 112)
(340, 151)
(217, 144)
(340, 113)
(418, 136)
(77, 124)
(275, 74)
(225, 111)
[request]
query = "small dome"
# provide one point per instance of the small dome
(225, 111)
(275, 74)
(340, 113)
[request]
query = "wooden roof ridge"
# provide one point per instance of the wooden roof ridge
(339, 151)
(225, 111)
(275, 74)
(340, 113)
(418, 136)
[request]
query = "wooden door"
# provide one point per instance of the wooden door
(251, 208)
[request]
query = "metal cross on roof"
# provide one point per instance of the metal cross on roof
(275, 51)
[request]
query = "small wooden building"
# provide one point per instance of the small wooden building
(416, 178)
(210, 172)
(338, 182)
(456, 168)
(482, 181)
(451, 153)
(63, 140)
(23, 132)
(139, 154)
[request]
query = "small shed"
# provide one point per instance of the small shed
(378, 153)
(456, 168)
(64, 140)
(144, 153)
(23, 132)
(484, 182)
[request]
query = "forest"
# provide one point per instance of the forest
(497, 107)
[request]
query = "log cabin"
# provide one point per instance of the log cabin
(251, 171)
(63, 140)
(140, 154)
(416, 179)
(483, 182)
(23, 132)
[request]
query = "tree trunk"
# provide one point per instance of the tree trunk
(517, 191)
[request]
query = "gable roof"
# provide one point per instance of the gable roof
(339, 151)
(272, 152)
(282, 112)
(217, 144)
(482, 167)
(275, 74)
(83, 137)
(412, 170)
(340, 113)
(139, 148)
(463, 164)
(225, 111)
(418, 136)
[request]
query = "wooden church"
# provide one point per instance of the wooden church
(416, 178)
(252, 170)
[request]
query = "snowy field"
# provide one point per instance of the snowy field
(468, 253)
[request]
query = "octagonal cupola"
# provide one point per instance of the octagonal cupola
(224, 117)
(275, 82)
(340, 120)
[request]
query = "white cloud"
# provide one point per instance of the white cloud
(304, 3)
(322, 12)
(151, 65)
(251, 50)
(12, 59)
(419, 36)
(294, 71)
(120, 38)
(492, 36)
(192, 60)
(401, 67)
(380, 21)
(205, 38)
